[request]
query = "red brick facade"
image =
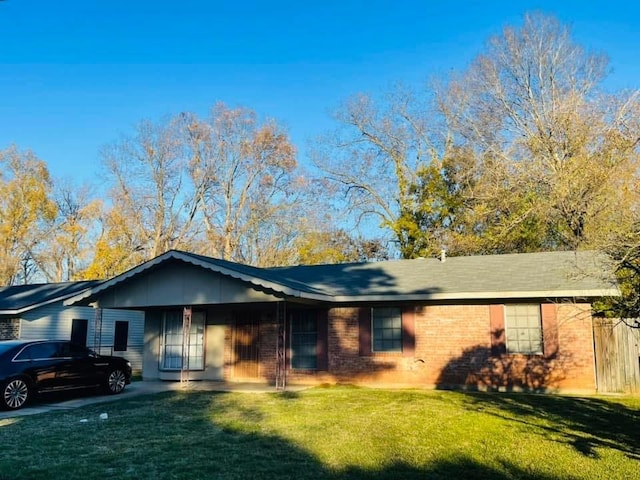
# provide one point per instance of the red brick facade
(9, 328)
(447, 346)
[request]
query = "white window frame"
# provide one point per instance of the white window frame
(523, 328)
(172, 355)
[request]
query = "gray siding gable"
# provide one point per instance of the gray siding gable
(179, 283)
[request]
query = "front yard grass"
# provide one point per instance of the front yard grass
(335, 433)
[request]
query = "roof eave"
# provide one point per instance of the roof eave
(255, 281)
(459, 296)
(34, 306)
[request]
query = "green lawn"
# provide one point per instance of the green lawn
(337, 432)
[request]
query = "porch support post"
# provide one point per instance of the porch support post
(97, 329)
(186, 346)
(281, 347)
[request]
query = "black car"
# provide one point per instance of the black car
(31, 367)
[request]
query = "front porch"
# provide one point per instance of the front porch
(255, 343)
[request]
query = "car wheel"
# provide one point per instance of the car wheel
(15, 393)
(116, 381)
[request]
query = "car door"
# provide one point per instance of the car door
(39, 361)
(77, 367)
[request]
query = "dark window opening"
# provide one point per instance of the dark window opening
(120, 336)
(304, 341)
(79, 328)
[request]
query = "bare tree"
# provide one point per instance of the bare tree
(248, 186)
(530, 104)
(226, 186)
(152, 207)
(375, 157)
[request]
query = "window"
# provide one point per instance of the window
(39, 351)
(79, 331)
(120, 336)
(304, 341)
(523, 328)
(73, 350)
(173, 350)
(386, 329)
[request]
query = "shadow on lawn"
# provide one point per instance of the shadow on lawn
(584, 423)
(460, 468)
(210, 436)
(263, 455)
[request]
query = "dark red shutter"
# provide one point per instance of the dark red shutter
(364, 330)
(408, 332)
(322, 348)
(549, 312)
(498, 339)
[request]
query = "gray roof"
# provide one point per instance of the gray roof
(18, 299)
(539, 275)
(529, 275)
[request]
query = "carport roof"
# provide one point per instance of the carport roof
(531, 275)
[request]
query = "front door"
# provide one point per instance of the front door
(245, 346)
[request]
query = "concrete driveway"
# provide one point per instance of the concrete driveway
(58, 402)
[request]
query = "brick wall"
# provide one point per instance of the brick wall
(453, 349)
(575, 338)
(9, 328)
(451, 341)
(268, 346)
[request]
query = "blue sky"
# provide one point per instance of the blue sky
(75, 75)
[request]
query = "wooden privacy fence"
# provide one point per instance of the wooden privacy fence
(617, 349)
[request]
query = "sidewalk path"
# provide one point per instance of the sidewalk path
(137, 389)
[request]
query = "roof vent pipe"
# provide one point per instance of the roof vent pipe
(443, 255)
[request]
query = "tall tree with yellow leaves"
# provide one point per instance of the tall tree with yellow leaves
(26, 210)
(69, 246)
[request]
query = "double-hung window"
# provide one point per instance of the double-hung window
(523, 328)
(386, 329)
